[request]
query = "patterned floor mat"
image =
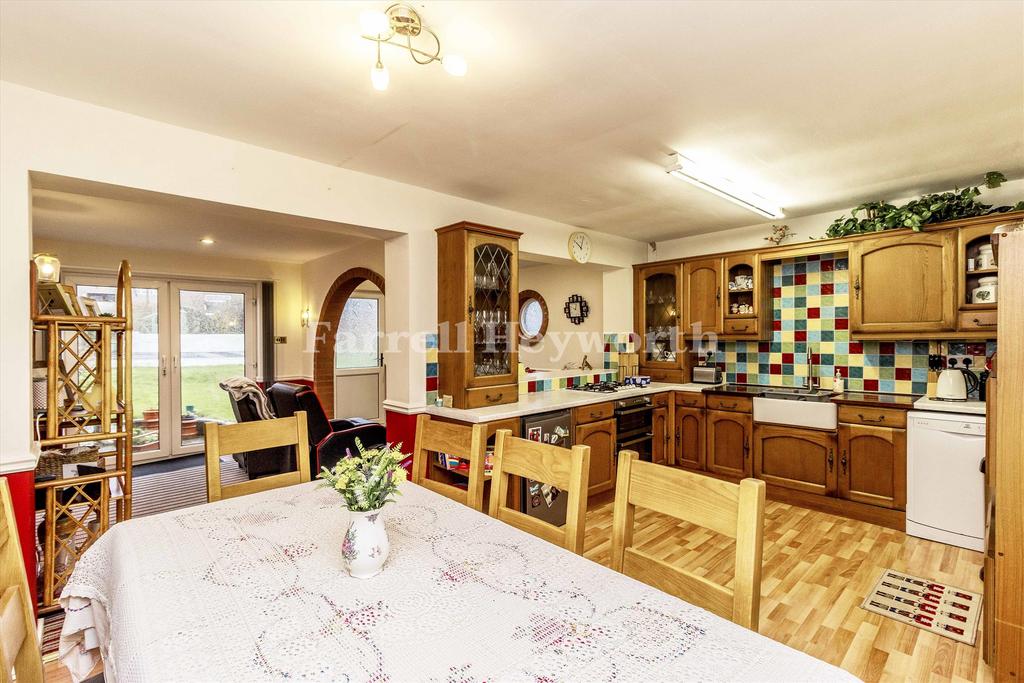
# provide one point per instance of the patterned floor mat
(947, 610)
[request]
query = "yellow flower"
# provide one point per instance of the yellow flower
(400, 474)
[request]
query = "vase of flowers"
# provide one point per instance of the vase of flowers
(367, 481)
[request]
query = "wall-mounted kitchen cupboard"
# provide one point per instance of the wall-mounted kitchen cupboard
(702, 296)
(903, 284)
(478, 314)
(656, 300)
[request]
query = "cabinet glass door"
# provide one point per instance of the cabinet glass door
(491, 311)
(660, 311)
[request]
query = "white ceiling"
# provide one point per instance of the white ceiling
(73, 210)
(570, 108)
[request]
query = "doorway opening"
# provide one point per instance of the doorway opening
(348, 367)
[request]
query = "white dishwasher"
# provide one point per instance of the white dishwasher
(946, 478)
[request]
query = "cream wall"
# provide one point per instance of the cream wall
(50, 134)
(564, 341)
(287, 279)
(806, 227)
(317, 277)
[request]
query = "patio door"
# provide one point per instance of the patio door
(187, 337)
(151, 395)
(213, 337)
(358, 362)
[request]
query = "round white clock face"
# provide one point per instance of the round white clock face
(579, 247)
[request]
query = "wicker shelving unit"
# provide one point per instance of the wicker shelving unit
(88, 402)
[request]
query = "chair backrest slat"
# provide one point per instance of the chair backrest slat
(708, 502)
(19, 649)
(565, 469)
(734, 510)
(468, 443)
(251, 436)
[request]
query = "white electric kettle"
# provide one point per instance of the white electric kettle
(955, 383)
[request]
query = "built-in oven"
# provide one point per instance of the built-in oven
(634, 426)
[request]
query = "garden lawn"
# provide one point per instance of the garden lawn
(199, 389)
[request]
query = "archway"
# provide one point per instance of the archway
(330, 315)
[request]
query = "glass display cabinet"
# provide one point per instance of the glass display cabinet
(478, 315)
(656, 309)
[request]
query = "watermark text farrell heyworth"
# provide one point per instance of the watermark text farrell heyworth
(493, 338)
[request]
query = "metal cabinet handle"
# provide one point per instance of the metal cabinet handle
(718, 294)
(493, 399)
(746, 447)
(843, 461)
(730, 406)
(981, 324)
(856, 286)
(469, 304)
(881, 418)
(831, 460)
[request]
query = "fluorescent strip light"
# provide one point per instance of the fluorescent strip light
(687, 170)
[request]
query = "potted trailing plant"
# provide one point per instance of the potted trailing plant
(917, 213)
(367, 481)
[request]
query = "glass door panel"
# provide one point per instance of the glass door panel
(660, 317)
(212, 347)
(359, 371)
(149, 359)
(491, 310)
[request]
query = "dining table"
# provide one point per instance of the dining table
(255, 588)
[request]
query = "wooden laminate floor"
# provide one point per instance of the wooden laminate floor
(817, 569)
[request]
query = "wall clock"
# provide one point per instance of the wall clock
(576, 309)
(579, 247)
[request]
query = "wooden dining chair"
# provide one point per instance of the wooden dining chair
(566, 469)
(468, 443)
(734, 510)
(254, 436)
(19, 650)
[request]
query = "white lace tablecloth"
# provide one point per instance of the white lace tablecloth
(253, 589)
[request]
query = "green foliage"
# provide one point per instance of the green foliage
(917, 213)
(367, 480)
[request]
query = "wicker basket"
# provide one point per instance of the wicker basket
(52, 462)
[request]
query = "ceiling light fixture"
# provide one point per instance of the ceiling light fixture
(397, 26)
(686, 169)
(206, 240)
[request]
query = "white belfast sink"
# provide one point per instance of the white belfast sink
(796, 413)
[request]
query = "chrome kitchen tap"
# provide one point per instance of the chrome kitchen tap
(810, 381)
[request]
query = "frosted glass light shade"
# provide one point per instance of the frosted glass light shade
(380, 77)
(454, 64)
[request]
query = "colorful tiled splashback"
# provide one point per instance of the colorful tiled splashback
(811, 307)
(526, 385)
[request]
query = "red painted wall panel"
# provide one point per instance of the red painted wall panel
(23, 498)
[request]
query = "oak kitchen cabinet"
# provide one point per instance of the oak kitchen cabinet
(478, 296)
(702, 296)
(795, 458)
(660, 429)
(656, 302)
(728, 442)
(689, 437)
(904, 284)
(600, 436)
(873, 465)
(749, 325)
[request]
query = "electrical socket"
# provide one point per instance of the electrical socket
(959, 360)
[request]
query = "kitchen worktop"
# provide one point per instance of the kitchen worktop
(545, 401)
(859, 398)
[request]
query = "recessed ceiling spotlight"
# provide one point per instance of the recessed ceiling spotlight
(206, 241)
(398, 25)
(693, 173)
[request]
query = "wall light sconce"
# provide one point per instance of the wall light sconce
(397, 26)
(306, 316)
(47, 268)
